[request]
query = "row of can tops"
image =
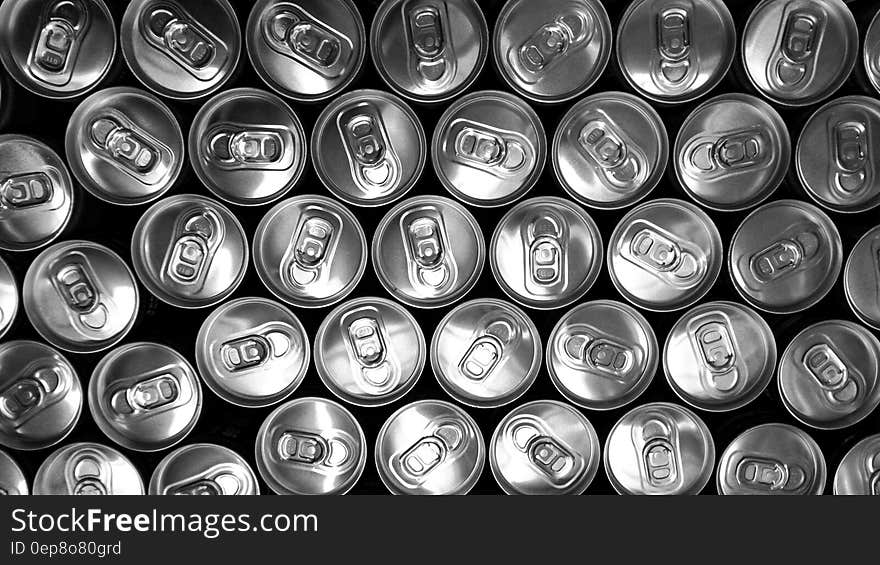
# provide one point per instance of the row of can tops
(316, 446)
(432, 50)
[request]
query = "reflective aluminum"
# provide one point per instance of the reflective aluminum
(859, 470)
(12, 479)
(203, 469)
(87, 469)
(8, 298)
(861, 278)
(871, 52)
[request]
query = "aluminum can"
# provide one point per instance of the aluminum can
(368, 147)
(690, 46)
(430, 447)
(871, 52)
(602, 354)
(57, 48)
(610, 150)
(203, 469)
(8, 298)
(664, 255)
(428, 251)
(40, 395)
(488, 148)
(36, 193)
(124, 146)
(486, 353)
(369, 351)
(252, 352)
(859, 470)
(310, 251)
(719, 356)
(311, 446)
(247, 146)
(732, 152)
(308, 50)
(861, 278)
(772, 459)
(145, 396)
(546, 252)
(80, 296)
(189, 251)
(837, 160)
(183, 49)
(429, 50)
(544, 447)
(537, 44)
(829, 375)
(659, 449)
(87, 469)
(798, 52)
(785, 256)
(12, 479)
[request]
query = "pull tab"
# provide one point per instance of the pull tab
(501, 153)
(559, 464)
(221, 479)
(851, 148)
(89, 305)
(429, 256)
(295, 33)
(88, 473)
(621, 161)
(795, 252)
(316, 451)
(431, 60)
(374, 164)
(233, 146)
(551, 42)
(763, 474)
(795, 57)
(662, 254)
(128, 147)
(57, 43)
(367, 344)
(546, 240)
(872, 467)
(145, 395)
(173, 31)
(839, 383)
(311, 250)
(442, 446)
(35, 389)
(674, 62)
(727, 153)
(657, 443)
(585, 348)
(716, 350)
(27, 190)
(488, 350)
(199, 232)
(256, 347)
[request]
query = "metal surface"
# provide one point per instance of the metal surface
(871, 52)
(859, 470)
(861, 278)
(203, 469)
(8, 298)
(87, 469)
(12, 480)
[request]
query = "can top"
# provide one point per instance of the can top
(179, 49)
(858, 471)
(308, 50)
(311, 446)
(861, 278)
(12, 479)
(203, 468)
(798, 52)
(871, 51)
(8, 298)
(690, 48)
(88, 469)
(772, 459)
(57, 48)
(535, 45)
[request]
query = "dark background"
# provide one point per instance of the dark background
(236, 427)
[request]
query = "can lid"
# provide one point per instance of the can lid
(88, 469)
(859, 470)
(8, 298)
(12, 479)
(871, 51)
(203, 469)
(861, 278)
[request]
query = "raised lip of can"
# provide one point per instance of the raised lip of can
(598, 71)
(461, 291)
(114, 434)
(846, 70)
(40, 328)
(211, 381)
(471, 480)
(280, 90)
(70, 192)
(9, 317)
(851, 99)
(784, 157)
(721, 72)
(874, 26)
(21, 484)
(712, 274)
(323, 200)
(705, 434)
(48, 349)
(848, 419)
(329, 112)
(324, 375)
(55, 455)
(591, 470)
(53, 94)
(375, 54)
(592, 276)
(851, 452)
(644, 382)
(531, 376)
(836, 267)
(662, 158)
(151, 85)
(875, 324)
(506, 98)
(755, 392)
(88, 183)
(192, 144)
(821, 472)
(270, 479)
(137, 258)
(153, 486)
